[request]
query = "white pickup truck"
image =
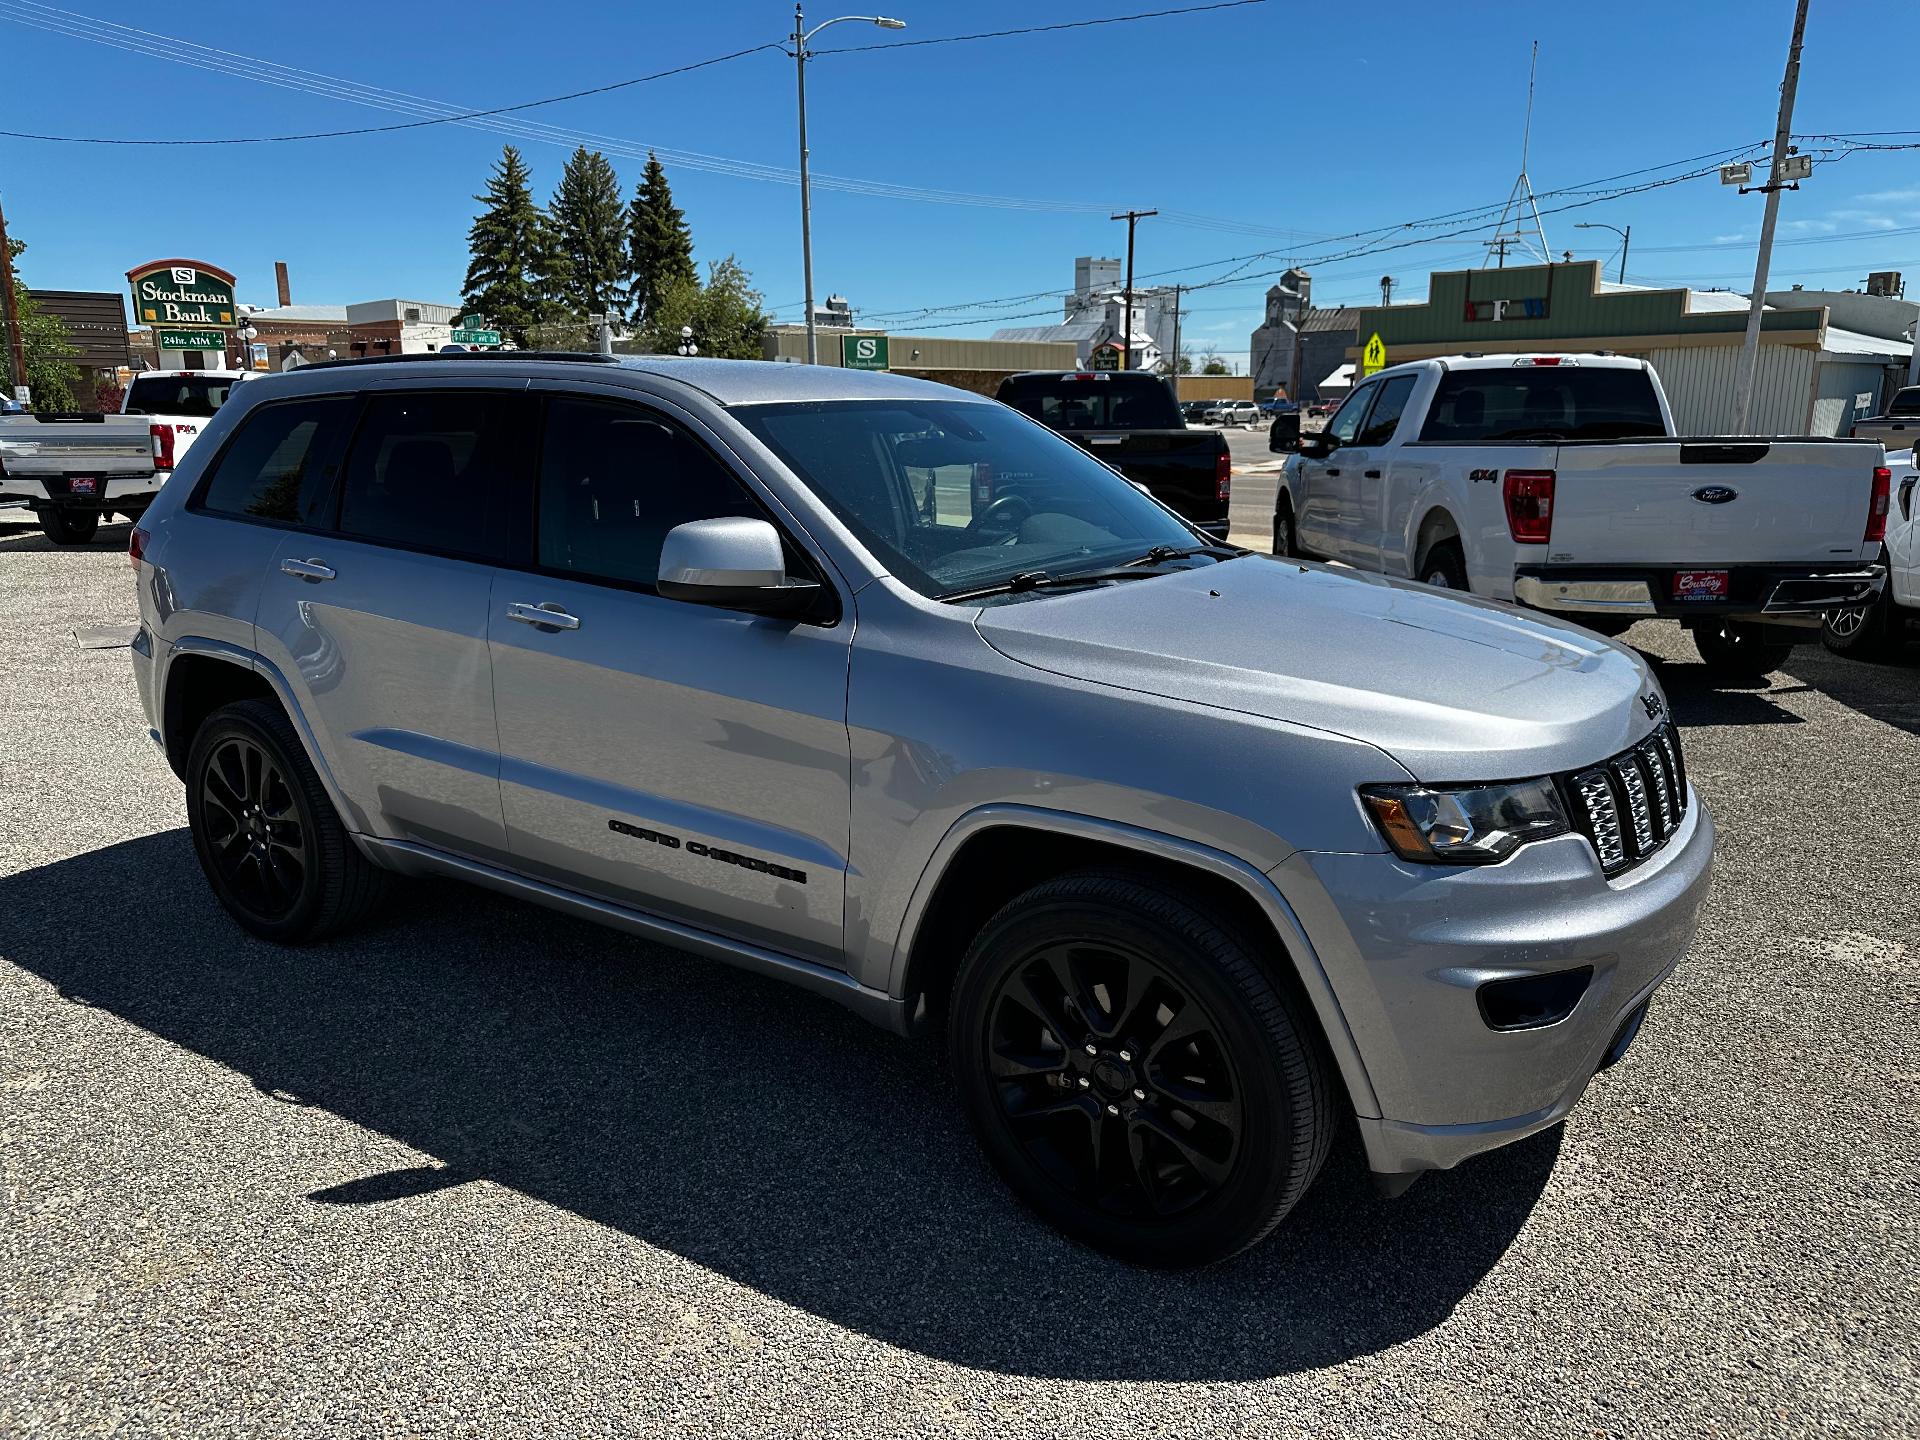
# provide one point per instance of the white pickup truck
(72, 468)
(1899, 428)
(1556, 481)
(1878, 630)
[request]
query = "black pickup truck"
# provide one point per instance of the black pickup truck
(1129, 419)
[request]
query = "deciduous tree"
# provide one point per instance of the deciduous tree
(49, 349)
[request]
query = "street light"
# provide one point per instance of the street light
(801, 37)
(245, 335)
(686, 346)
(1626, 238)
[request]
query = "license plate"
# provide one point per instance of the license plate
(84, 485)
(1700, 584)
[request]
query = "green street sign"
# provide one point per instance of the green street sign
(190, 339)
(475, 337)
(863, 352)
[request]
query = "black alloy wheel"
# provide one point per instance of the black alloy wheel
(1114, 1079)
(253, 829)
(1135, 1072)
(265, 831)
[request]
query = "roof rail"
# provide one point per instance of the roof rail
(586, 357)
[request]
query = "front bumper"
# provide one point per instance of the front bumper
(1752, 590)
(1407, 949)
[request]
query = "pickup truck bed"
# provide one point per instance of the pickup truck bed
(73, 468)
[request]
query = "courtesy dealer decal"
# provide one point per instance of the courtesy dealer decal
(710, 852)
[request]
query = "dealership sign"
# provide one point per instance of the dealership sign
(183, 293)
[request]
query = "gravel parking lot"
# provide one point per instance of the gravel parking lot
(481, 1170)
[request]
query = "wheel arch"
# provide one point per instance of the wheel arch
(202, 676)
(995, 853)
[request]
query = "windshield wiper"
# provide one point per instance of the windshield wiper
(1160, 554)
(1042, 580)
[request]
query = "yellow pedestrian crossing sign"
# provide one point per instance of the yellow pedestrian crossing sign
(1374, 357)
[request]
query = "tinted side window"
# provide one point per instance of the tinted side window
(429, 470)
(1346, 421)
(281, 465)
(1387, 410)
(614, 479)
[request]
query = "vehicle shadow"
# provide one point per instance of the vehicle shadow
(754, 1130)
(19, 531)
(1888, 691)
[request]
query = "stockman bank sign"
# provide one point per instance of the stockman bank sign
(182, 295)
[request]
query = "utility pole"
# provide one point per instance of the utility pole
(1132, 217)
(1173, 368)
(16, 345)
(1750, 348)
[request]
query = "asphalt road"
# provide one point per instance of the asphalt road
(479, 1170)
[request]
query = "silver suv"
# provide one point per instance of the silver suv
(1196, 856)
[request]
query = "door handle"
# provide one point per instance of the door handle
(1333, 470)
(546, 615)
(1371, 474)
(306, 569)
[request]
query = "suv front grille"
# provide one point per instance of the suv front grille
(1629, 806)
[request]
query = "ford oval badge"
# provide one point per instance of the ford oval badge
(1715, 494)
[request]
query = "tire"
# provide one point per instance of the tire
(1862, 632)
(68, 527)
(1739, 651)
(1108, 1144)
(299, 878)
(1445, 567)
(1285, 543)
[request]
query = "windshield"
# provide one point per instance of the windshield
(1560, 402)
(954, 496)
(196, 395)
(1093, 401)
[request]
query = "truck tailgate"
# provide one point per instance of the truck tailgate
(1180, 467)
(1712, 502)
(89, 445)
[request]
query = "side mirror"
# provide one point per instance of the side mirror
(736, 564)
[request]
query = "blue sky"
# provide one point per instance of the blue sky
(1269, 127)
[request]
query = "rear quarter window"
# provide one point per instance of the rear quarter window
(281, 463)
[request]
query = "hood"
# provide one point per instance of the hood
(1452, 687)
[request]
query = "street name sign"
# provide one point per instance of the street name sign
(475, 337)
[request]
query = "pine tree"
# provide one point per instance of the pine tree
(659, 246)
(590, 226)
(511, 273)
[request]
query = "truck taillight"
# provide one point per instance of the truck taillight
(162, 446)
(1877, 506)
(137, 546)
(982, 485)
(1529, 495)
(1223, 475)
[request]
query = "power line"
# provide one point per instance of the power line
(1037, 29)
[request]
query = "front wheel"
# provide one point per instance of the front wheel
(1134, 1074)
(1284, 543)
(1740, 651)
(68, 527)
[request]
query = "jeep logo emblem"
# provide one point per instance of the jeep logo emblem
(1653, 706)
(1715, 494)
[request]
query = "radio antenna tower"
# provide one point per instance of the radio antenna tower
(1520, 200)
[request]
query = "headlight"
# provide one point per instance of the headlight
(1465, 824)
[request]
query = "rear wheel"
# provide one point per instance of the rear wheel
(68, 527)
(266, 834)
(1134, 1075)
(1862, 632)
(1445, 567)
(1739, 650)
